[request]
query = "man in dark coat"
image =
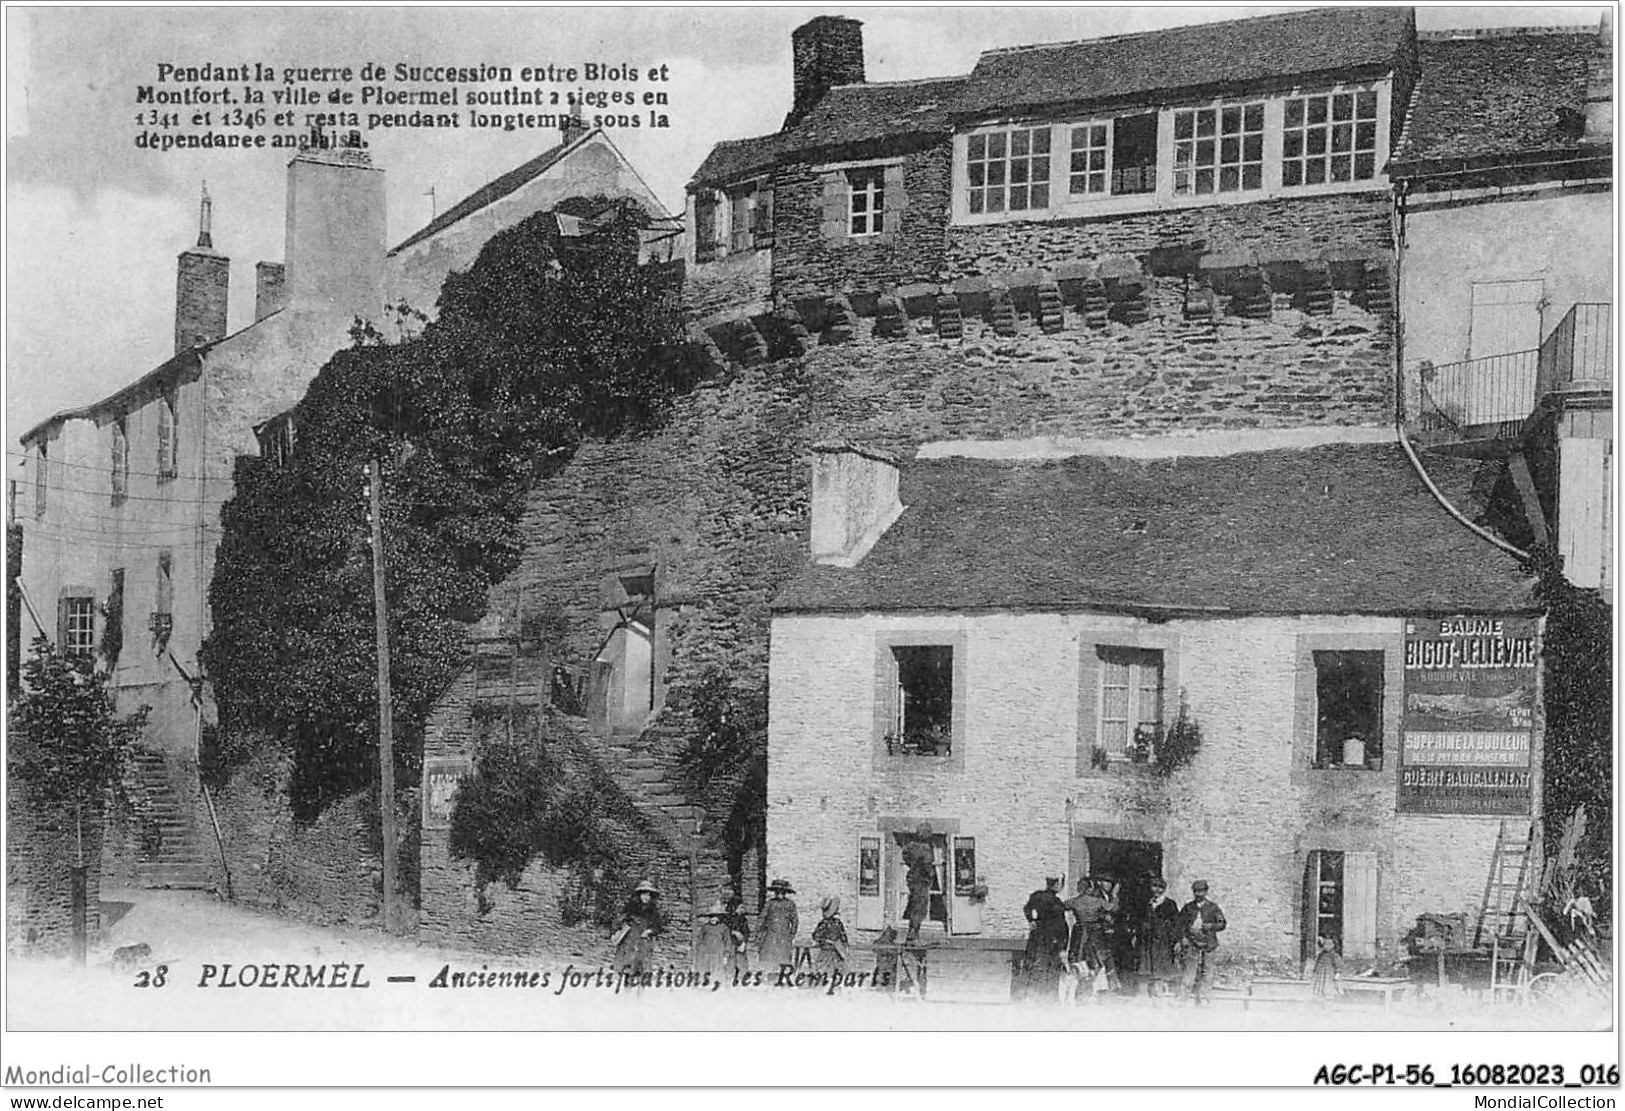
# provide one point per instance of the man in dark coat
(1046, 941)
(1199, 926)
(738, 923)
(920, 862)
(1090, 910)
(1159, 938)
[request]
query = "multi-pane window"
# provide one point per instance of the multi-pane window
(866, 201)
(1219, 150)
(1348, 709)
(1332, 137)
(78, 619)
(1090, 145)
(121, 459)
(42, 463)
(168, 446)
(1130, 701)
(1008, 171)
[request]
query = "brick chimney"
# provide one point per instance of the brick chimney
(269, 292)
(854, 501)
(202, 276)
(827, 51)
(334, 251)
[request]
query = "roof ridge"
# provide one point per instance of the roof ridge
(998, 50)
(1488, 34)
(900, 83)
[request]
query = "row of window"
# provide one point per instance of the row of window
(76, 613)
(1130, 710)
(168, 445)
(1315, 140)
(1322, 139)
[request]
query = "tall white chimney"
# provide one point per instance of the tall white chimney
(854, 501)
(334, 251)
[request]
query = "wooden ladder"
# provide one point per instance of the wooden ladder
(1502, 918)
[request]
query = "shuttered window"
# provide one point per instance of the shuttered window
(121, 459)
(168, 447)
(1340, 902)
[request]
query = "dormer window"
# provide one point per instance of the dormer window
(1297, 142)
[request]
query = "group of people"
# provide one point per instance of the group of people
(722, 936)
(1092, 944)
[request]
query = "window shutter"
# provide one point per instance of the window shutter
(763, 228)
(166, 438)
(871, 898)
(1310, 917)
(62, 624)
(1088, 704)
(965, 913)
(1360, 905)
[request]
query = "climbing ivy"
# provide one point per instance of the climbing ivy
(1577, 683)
(518, 806)
(541, 343)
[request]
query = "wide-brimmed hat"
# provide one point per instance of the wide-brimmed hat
(717, 910)
(1199, 887)
(645, 885)
(832, 905)
(781, 885)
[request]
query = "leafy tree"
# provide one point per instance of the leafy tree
(542, 342)
(1578, 697)
(725, 759)
(70, 748)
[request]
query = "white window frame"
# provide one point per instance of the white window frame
(995, 148)
(1237, 142)
(1137, 670)
(79, 624)
(1090, 131)
(1063, 204)
(1317, 140)
(867, 183)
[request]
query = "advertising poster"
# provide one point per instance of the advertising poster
(1469, 718)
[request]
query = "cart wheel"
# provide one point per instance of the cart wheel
(1544, 987)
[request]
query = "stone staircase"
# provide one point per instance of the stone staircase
(178, 861)
(629, 764)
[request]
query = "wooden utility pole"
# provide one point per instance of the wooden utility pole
(386, 747)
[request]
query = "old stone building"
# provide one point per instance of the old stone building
(1224, 154)
(1000, 643)
(119, 504)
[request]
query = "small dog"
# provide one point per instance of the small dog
(131, 956)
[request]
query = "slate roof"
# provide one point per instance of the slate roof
(1335, 529)
(862, 113)
(1486, 97)
(736, 159)
(1128, 67)
(494, 191)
